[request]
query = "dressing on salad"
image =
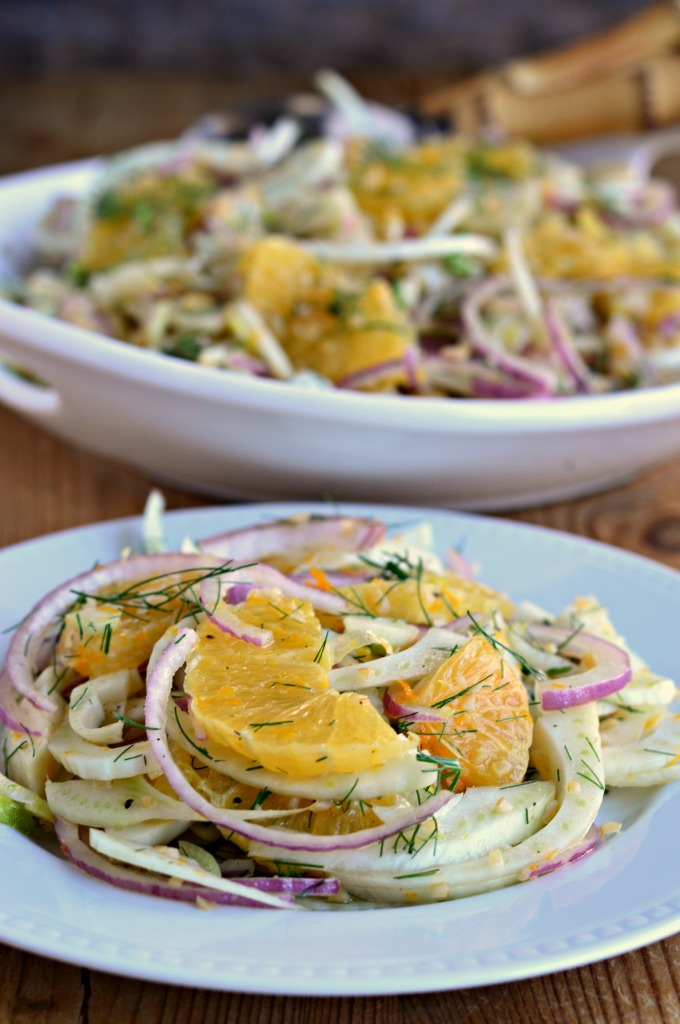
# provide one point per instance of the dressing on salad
(374, 255)
(310, 713)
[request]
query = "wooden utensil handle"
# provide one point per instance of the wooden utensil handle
(622, 80)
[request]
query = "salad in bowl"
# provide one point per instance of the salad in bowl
(312, 713)
(362, 251)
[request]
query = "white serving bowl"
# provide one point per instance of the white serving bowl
(233, 436)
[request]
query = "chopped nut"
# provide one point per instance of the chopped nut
(496, 859)
(203, 904)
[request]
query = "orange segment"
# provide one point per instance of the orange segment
(327, 320)
(100, 636)
(408, 189)
(276, 274)
(486, 722)
(426, 601)
(145, 216)
(274, 703)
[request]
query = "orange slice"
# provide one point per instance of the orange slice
(410, 188)
(100, 636)
(327, 320)
(274, 703)
(428, 600)
(486, 722)
(145, 216)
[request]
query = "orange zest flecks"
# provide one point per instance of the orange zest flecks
(321, 581)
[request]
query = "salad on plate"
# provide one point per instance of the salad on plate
(363, 250)
(314, 713)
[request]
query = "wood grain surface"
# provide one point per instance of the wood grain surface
(46, 486)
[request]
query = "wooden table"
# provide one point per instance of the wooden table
(48, 486)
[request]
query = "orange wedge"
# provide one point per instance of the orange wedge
(328, 321)
(486, 725)
(274, 704)
(100, 636)
(428, 600)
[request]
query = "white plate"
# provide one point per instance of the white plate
(235, 436)
(621, 897)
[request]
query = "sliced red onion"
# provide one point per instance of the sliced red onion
(233, 594)
(483, 387)
(159, 685)
(27, 646)
(257, 543)
(611, 672)
(79, 309)
(563, 202)
(229, 622)
(27, 719)
(370, 376)
(590, 841)
(265, 577)
(622, 332)
(471, 378)
(397, 710)
(242, 363)
(93, 864)
(458, 563)
(542, 380)
(650, 205)
(412, 366)
(670, 325)
(565, 350)
(459, 625)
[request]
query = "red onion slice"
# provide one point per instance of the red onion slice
(590, 841)
(257, 543)
(22, 719)
(565, 350)
(229, 622)
(93, 864)
(485, 385)
(395, 709)
(611, 671)
(541, 379)
(458, 563)
(371, 376)
(235, 587)
(27, 647)
(159, 684)
(650, 204)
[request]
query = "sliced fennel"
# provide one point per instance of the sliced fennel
(120, 803)
(166, 860)
(481, 820)
(424, 656)
(567, 747)
(92, 761)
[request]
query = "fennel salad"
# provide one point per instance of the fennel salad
(312, 713)
(365, 251)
